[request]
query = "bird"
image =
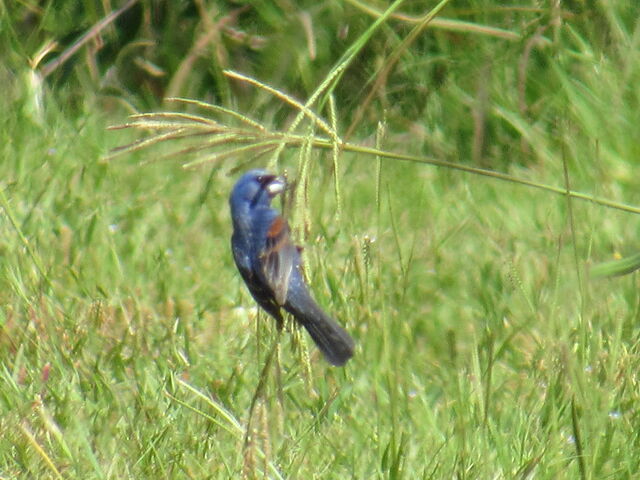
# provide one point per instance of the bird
(271, 265)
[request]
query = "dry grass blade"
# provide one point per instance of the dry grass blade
(159, 125)
(221, 139)
(33, 441)
(142, 143)
(316, 119)
(335, 155)
(443, 23)
(88, 36)
(216, 108)
(173, 116)
(260, 140)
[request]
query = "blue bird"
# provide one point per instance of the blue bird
(270, 264)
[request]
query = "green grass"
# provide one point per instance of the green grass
(129, 347)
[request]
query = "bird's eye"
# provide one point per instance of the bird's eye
(265, 180)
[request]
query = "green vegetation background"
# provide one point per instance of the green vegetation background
(129, 347)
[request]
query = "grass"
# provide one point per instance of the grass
(485, 349)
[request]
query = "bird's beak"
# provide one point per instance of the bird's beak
(273, 184)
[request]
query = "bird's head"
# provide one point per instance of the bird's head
(256, 187)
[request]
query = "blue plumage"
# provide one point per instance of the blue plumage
(270, 263)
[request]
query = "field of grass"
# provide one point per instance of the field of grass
(129, 346)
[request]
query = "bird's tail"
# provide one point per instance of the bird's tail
(333, 341)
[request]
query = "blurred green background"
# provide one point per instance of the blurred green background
(129, 346)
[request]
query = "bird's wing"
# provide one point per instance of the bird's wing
(277, 258)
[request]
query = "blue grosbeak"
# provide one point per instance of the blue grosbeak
(270, 263)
